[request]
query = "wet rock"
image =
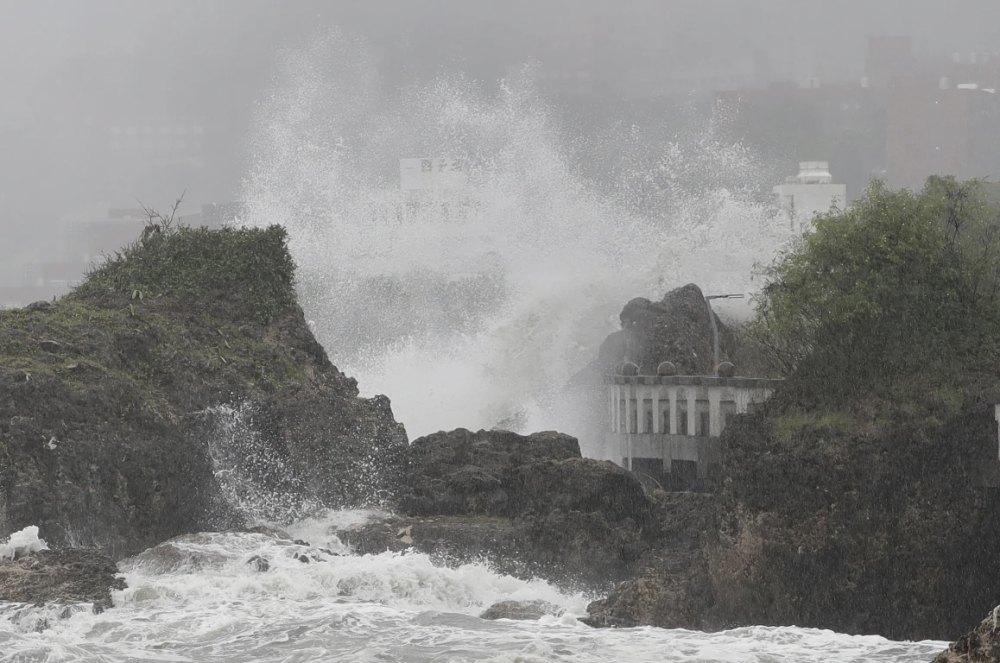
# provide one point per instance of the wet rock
(530, 504)
(676, 329)
(458, 472)
(134, 417)
(521, 610)
(981, 645)
(60, 576)
(671, 587)
(258, 563)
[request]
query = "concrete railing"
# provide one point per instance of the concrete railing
(677, 417)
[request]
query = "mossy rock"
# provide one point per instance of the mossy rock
(106, 396)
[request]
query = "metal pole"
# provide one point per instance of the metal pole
(715, 327)
(715, 337)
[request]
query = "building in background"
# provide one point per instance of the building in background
(809, 193)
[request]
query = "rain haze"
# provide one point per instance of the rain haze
(511, 330)
(647, 123)
(72, 72)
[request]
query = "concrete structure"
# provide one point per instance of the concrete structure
(656, 420)
(809, 193)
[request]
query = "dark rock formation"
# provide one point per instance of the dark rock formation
(118, 402)
(461, 472)
(981, 645)
(857, 525)
(838, 522)
(529, 504)
(671, 588)
(676, 329)
(60, 576)
(520, 610)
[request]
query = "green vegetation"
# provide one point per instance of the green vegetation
(793, 424)
(896, 299)
(246, 268)
(181, 316)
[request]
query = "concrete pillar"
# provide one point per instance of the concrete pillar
(611, 408)
(616, 406)
(996, 415)
(629, 389)
(714, 412)
(692, 399)
(640, 409)
(657, 415)
(631, 399)
(673, 410)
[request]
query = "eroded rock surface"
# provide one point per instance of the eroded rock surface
(528, 504)
(981, 645)
(176, 382)
(60, 576)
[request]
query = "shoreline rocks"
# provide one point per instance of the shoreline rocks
(175, 386)
(60, 576)
(981, 645)
(530, 505)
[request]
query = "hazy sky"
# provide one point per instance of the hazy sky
(71, 68)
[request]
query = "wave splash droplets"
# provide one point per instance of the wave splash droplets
(478, 309)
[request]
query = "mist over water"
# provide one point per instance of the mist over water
(478, 312)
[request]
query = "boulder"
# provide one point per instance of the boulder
(60, 576)
(672, 587)
(579, 485)
(521, 610)
(461, 472)
(981, 645)
(676, 329)
(528, 504)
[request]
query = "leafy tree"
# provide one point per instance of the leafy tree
(901, 285)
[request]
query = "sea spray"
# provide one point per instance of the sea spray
(22, 542)
(254, 479)
(482, 319)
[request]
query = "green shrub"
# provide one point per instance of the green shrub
(246, 270)
(901, 285)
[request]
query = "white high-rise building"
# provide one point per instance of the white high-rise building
(809, 193)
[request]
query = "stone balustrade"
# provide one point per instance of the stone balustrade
(668, 418)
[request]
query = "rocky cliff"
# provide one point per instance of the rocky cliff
(880, 517)
(529, 504)
(677, 329)
(836, 521)
(119, 402)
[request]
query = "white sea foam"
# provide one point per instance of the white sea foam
(196, 598)
(22, 542)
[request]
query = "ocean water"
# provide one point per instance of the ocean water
(197, 599)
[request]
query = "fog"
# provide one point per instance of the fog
(78, 76)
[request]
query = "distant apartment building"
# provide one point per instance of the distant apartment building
(904, 121)
(808, 194)
(637, 53)
(843, 122)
